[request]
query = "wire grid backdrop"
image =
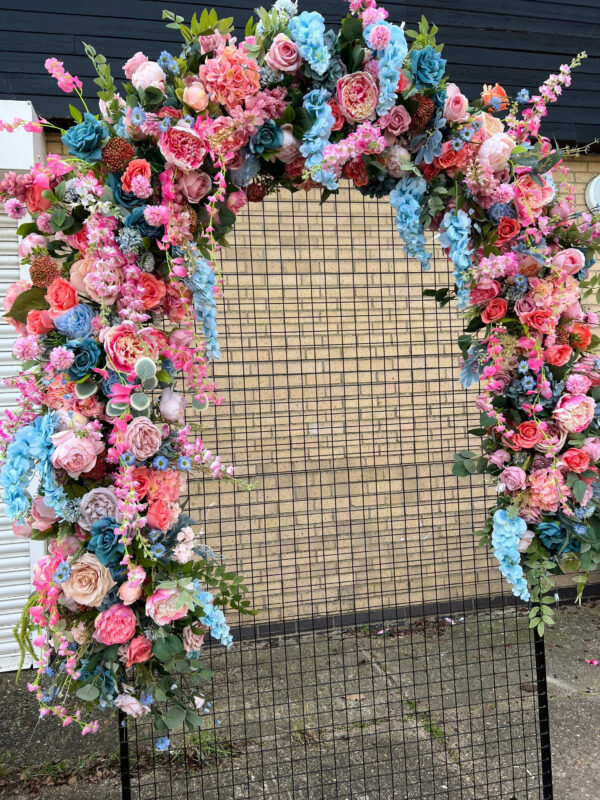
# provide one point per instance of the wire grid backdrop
(385, 662)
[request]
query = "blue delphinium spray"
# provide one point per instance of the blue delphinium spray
(507, 531)
(201, 280)
(389, 62)
(406, 200)
(454, 234)
(315, 139)
(308, 31)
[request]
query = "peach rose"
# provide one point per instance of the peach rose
(39, 322)
(129, 592)
(89, 582)
(576, 460)
(495, 310)
(138, 650)
(194, 96)
(159, 515)
(153, 290)
(528, 435)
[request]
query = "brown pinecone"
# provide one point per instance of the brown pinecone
(117, 153)
(423, 114)
(43, 271)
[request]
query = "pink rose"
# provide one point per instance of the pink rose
(136, 61)
(147, 75)
(290, 147)
(191, 641)
(182, 147)
(357, 96)
(143, 437)
(29, 243)
(43, 516)
(67, 547)
(483, 292)
(455, 107)
(499, 457)
(236, 200)
(172, 405)
(138, 651)
(161, 606)
(495, 151)
(591, 446)
(159, 515)
(194, 96)
(131, 706)
(396, 121)
(194, 185)
(570, 261)
(574, 412)
(116, 625)
(513, 478)
(75, 454)
(283, 54)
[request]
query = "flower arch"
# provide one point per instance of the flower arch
(125, 235)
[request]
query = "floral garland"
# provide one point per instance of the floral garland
(123, 243)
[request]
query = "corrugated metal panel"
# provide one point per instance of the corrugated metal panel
(15, 554)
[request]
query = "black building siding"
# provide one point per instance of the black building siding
(514, 42)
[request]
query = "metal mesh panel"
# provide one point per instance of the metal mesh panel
(384, 662)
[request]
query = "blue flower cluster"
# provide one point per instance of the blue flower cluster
(315, 139)
(455, 230)
(31, 449)
(200, 280)
(76, 323)
(472, 368)
(213, 617)
(506, 535)
(308, 31)
(406, 200)
(389, 61)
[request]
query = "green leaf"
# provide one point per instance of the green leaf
(27, 301)
(58, 217)
(174, 717)
(88, 693)
(351, 29)
(75, 113)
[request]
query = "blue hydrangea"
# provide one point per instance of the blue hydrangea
(308, 31)
(507, 530)
(315, 139)
(248, 171)
(499, 210)
(76, 323)
(406, 199)
(212, 617)
(389, 61)
(455, 230)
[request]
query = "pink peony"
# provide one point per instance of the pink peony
(283, 55)
(116, 625)
(513, 478)
(161, 606)
(75, 454)
(194, 185)
(530, 198)
(455, 107)
(357, 96)
(182, 147)
(143, 437)
(125, 345)
(147, 75)
(574, 412)
(495, 151)
(136, 60)
(570, 261)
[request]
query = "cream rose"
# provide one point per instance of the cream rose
(495, 151)
(89, 581)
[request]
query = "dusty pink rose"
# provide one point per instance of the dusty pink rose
(182, 147)
(75, 454)
(236, 200)
(89, 581)
(290, 149)
(194, 96)
(191, 641)
(591, 446)
(22, 530)
(136, 61)
(513, 478)
(172, 405)
(194, 185)
(116, 625)
(499, 457)
(131, 706)
(283, 54)
(570, 261)
(357, 96)
(574, 412)
(143, 438)
(495, 151)
(396, 121)
(161, 606)
(97, 503)
(147, 75)
(29, 242)
(43, 516)
(138, 650)
(455, 107)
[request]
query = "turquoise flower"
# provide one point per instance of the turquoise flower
(84, 140)
(104, 543)
(427, 67)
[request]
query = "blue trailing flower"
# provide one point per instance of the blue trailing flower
(405, 199)
(201, 280)
(472, 368)
(315, 139)
(507, 531)
(428, 145)
(389, 61)
(308, 31)
(454, 234)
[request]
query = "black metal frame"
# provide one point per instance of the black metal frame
(516, 733)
